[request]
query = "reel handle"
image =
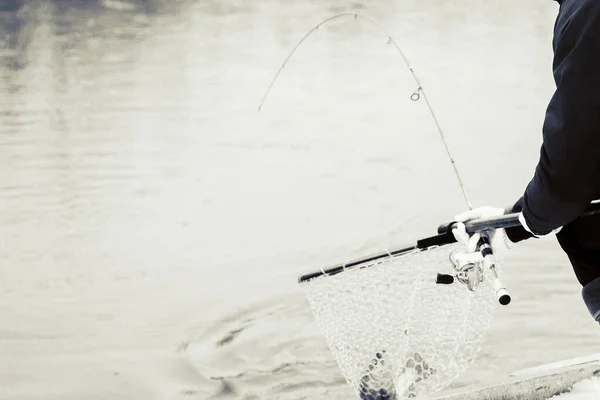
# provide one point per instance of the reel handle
(444, 279)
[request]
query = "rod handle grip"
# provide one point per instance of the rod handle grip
(502, 293)
(477, 225)
(504, 221)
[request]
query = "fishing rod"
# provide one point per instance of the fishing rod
(468, 273)
(398, 311)
(444, 236)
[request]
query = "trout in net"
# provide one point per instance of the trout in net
(397, 326)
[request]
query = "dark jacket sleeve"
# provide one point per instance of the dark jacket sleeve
(567, 177)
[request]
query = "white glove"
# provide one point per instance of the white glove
(498, 239)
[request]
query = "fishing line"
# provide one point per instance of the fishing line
(415, 96)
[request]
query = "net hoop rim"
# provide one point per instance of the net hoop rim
(374, 259)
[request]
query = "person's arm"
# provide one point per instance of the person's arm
(567, 177)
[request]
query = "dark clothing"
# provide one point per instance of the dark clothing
(580, 239)
(567, 177)
(591, 296)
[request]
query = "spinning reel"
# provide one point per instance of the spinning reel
(469, 269)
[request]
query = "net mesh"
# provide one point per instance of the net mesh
(394, 332)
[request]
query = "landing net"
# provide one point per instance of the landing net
(394, 332)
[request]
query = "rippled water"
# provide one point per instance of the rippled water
(153, 222)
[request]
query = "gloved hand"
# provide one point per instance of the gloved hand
(497, 237)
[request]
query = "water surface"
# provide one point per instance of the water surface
(153, 222)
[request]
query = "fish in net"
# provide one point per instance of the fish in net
(394, 330)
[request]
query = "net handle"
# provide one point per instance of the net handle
(443, 237)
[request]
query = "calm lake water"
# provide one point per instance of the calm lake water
(153, 223)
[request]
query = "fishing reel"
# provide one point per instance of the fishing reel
(469, 269)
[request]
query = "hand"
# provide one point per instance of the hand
(497, 237)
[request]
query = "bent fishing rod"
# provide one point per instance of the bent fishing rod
(466, 272)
